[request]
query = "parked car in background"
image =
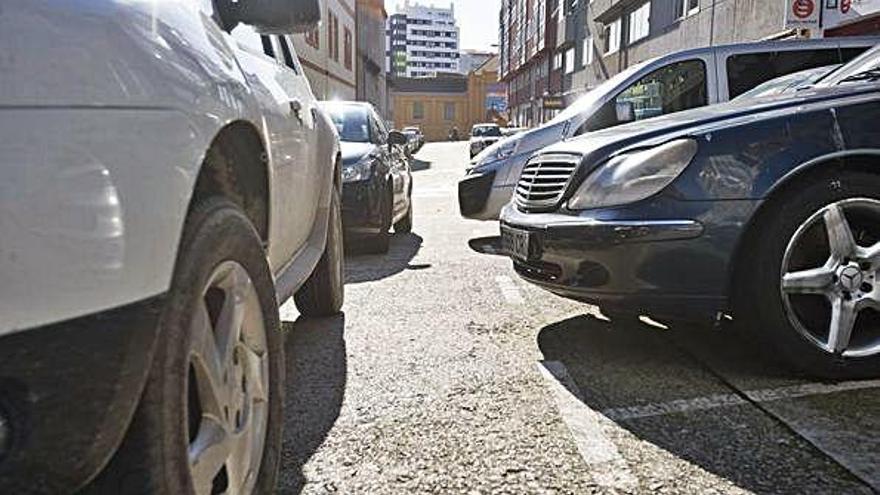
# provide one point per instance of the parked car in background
(417, 132)
(165, 180)
(412, 142)
(788, 83)
(376, 176)
(765, 209)
(483, 136)
(668, 84)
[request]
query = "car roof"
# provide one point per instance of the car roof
(784, 45)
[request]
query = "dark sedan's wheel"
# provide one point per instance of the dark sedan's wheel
(324, 292)
(381, 242)
(814, 282)
(405, 225)
(210, 417)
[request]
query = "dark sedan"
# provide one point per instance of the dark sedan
(376, 176)
(765, 210)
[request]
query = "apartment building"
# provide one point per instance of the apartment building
(328, 53)
(422, 41)
(527, 41)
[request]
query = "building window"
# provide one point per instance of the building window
(689, 7)
(418, 110)
(588, 50)
(449, 111)
(640, 22)
(313, 39)
(569, 61)
(333, 36)
(612, 37)
(557, 61)
(348, 49)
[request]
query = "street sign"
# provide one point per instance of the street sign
(553, 103)
(800, 14)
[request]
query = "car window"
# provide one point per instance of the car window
(352, 122)
(486, 131)
(253, 41)
(673, 88)
(380, 135)
(748, 70)
(287, 53)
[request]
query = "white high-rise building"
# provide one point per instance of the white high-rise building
(422, 41)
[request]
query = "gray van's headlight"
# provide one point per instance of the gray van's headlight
(634, 176)
(498, 151)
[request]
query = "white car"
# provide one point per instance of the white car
(483, 136)
(166, 179)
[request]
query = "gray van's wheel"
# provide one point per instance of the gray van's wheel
(812, 288)
(324, 292)
(210, 416)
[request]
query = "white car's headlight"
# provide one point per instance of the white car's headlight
(358, 171)
(634, 176)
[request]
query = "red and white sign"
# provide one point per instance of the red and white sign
(801, 14)
(845, 5)
(803, 9)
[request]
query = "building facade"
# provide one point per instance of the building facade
(439, 104)
(328, 53)
(422, 41)
(547, 63)
(527, 41)
(372, 84)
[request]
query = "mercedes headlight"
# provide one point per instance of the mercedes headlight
(361, 170)
(634, 176)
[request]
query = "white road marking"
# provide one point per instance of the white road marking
(509, 289)
(727, 400)
(607, 466)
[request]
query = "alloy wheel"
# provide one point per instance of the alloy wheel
(829, 280)
(228, 386)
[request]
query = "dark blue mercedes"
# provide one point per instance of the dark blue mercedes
(766, 210)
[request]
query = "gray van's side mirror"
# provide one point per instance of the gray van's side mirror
(397, 138)
(273, 16)
(626, 112)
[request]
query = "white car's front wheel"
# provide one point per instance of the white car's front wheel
(210, 418)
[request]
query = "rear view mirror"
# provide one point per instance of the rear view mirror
(273, 16)
(626, 112)
(397, 138)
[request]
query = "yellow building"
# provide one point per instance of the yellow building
(439, 104)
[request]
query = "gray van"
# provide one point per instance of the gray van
(671, 83)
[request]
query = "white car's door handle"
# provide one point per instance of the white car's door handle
(296, 109)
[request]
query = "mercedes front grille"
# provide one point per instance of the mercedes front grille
(544, 180)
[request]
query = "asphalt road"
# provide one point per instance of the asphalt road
(448, 374)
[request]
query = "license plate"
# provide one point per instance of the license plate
(516, 243)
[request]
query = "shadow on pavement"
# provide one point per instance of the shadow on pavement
(417, 165)
(487, 245)
(315, 385)
(361, 268)
(644, 380)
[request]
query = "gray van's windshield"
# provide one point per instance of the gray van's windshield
(585, 102)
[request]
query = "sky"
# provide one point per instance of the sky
(477, 20)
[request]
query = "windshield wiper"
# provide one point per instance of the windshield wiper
(866, 75)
